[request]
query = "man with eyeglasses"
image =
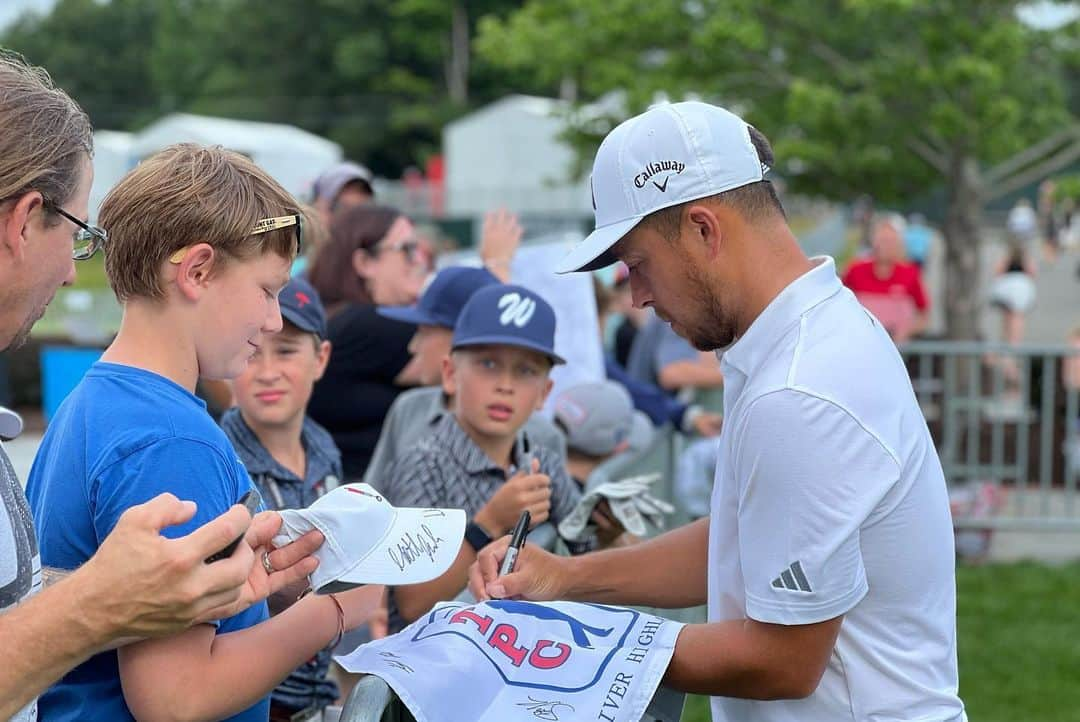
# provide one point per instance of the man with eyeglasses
(138, 584)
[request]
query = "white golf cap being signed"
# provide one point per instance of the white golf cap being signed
(670, 154)
(368, 541)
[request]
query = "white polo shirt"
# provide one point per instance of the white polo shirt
(830, 500)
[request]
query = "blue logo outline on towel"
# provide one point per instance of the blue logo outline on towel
(447, 610)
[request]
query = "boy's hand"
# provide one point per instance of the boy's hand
(522, 491)
(608, 528)
(291, 563)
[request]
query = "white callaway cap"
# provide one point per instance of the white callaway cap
(368, 541)
(670, 154)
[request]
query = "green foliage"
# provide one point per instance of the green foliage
(1067, 187)
(857, 95)
(1018, 660)
(370, 74)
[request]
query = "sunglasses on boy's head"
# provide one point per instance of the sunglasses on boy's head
(264, 225)
(87, 239)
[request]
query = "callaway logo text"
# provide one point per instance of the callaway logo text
(673, 166)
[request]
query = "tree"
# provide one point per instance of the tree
(378, 76)
(890, 97)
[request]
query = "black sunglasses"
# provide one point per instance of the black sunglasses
(87, 239)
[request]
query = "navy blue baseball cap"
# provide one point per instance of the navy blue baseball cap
(507, 315)
(301, 306)
(441, 302)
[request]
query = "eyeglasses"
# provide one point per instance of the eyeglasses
(87, 239)
(264, 225)
(415, 252)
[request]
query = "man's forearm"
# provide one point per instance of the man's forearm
(669, 571)
(47, 635)
(752, 660)
(689, 373)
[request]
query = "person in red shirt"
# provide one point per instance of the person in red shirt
(889, 286)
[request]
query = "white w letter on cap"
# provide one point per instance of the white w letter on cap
(516, 310)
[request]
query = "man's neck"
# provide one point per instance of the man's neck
(781, 265)
(283, 442)
(149, 339)
(498, 448)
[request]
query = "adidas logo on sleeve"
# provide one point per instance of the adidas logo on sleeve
(792, 579)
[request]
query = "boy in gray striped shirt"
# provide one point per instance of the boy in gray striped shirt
(478, 458)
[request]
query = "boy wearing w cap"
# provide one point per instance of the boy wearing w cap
(416, 411)
(291, 459)
(476, 458)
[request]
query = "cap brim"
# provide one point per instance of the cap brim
(300, 322)
(11, 424)
(407, 314)
(420, 546)
(509, 341)
(595, 251)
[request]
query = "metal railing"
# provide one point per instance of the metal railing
(1007, 416)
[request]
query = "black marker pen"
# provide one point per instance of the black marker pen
(517, 540)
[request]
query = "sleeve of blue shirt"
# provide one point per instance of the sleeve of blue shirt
(190, 469)
(653, 401)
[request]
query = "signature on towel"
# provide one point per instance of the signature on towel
(544, 710)
(413, 546)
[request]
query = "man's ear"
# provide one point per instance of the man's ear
(15, 226)
(194, 270)
(706, 224)
(449, 376)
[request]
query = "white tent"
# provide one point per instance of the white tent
(294, 157)
(510, 154)
(112, 159)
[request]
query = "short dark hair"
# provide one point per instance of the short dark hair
(753, 201)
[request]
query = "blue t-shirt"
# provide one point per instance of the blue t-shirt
(122, 437)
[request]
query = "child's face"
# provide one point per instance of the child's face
(430, 345)
(275, 387)
(238, 312)
(496, 388)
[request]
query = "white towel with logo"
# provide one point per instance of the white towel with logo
(630, 503)
(515, 660)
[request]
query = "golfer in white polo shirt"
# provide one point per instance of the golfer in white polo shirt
(827, 557)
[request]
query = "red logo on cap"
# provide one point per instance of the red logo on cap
(361, 492)
(302, 298)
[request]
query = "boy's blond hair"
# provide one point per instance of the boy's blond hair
(184, 195)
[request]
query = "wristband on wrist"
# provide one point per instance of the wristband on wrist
(340, 616)
(340, 621)
(476, 537)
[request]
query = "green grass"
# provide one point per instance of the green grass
(1019, 656)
